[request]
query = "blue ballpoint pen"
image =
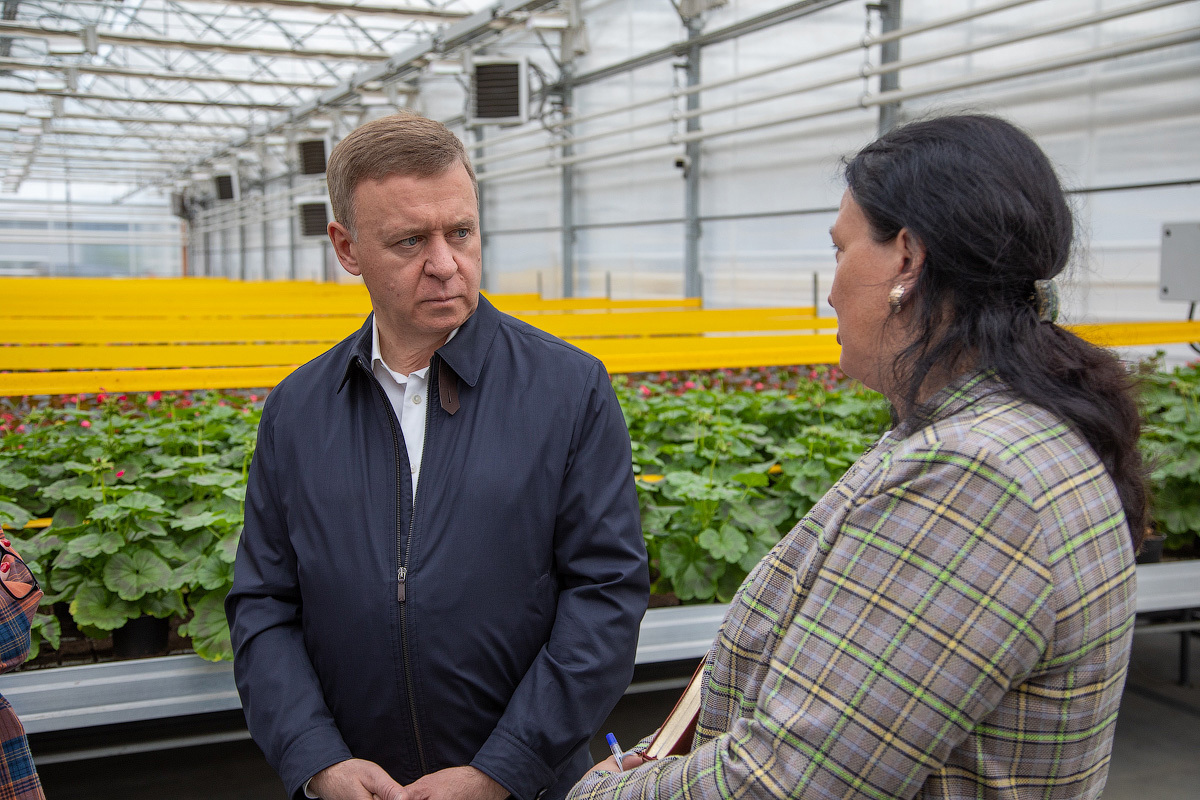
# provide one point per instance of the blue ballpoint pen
(616, 750)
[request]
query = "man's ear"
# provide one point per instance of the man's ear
(912, 251)
(343, 246)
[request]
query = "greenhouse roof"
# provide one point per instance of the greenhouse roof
(148, 92)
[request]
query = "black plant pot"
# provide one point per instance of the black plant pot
(1152, 549)
(66, 622)
(141, 637)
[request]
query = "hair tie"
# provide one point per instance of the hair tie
(1045, 300)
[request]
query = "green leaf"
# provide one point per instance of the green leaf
(11, 479)
(164, 604)
(49, 628)
(66, 518)
(227, 548)
(13, 515)
(752, 479)
(208, 627)
(223, 479)
(95, 607)
(237, 493)
(108, 511)
(132, 576)
(197, 521)
(91, 545)
(142, 501)
(215, 573)
(727, 544)
(151, 527)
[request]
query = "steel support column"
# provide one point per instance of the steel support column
(693, 285)
(889, 13)
(567, 190)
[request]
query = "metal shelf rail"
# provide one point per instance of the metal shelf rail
(66, 698)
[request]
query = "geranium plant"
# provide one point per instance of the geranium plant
(147, 500)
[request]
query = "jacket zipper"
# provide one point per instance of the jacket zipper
(401, 570)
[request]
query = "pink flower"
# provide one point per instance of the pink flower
(21, 428)
(100, 398)
(156, 397)
(120, 473)
(812, 375)
(20, 447)
(689, 384)
(253, 398)
(645, 390)
(758, 386)
(85, 423)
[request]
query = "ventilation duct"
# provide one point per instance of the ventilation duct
(225, 186)
(312, 156)
(314, 217)
(499, 91)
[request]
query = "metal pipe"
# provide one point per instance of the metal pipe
(160, 100)
(122, 39)
(567, 192)
(128, 72)
(889, 80)
(692, 284)
(884, 70)
(864, 43)
(357, 9)
(1141, 45)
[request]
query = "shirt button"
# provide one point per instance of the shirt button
(416, 399)
(413, 469)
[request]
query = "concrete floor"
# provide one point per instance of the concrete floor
(1156, 753)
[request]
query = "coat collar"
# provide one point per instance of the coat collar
(465, 353)
(961, 392)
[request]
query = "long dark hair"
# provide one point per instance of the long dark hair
(984, 201)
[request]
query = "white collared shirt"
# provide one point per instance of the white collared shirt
(408, 394)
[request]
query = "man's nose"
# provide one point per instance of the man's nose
(439, 259)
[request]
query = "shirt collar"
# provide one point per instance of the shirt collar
(465, 355)
(377, 356)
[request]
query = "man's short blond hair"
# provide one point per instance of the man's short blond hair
(400, 144)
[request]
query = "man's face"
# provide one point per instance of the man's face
(417, 250)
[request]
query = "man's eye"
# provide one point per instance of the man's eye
(411, 241)
(461, 233)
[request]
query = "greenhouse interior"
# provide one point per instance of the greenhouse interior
(656, 184)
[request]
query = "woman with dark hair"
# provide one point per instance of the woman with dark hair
(953, 619)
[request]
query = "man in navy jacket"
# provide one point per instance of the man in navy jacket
(439, 585)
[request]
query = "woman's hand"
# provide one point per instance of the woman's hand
(628, 761)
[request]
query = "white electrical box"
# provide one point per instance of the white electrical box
(1179, 265)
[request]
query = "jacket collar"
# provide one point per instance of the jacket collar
(961, 392)
(465, 353)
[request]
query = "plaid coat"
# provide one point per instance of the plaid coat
(18, 778)
(952, 620)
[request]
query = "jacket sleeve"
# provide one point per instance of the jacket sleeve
(281, 695)
(933, 600)
(603, 579)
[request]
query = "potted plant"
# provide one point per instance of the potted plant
(147, 498)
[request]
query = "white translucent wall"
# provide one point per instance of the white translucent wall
(1121, 122)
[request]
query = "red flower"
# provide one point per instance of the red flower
(122, 399)
(812, 375)
(21, 428)
(100, 398)
(645, 390)
(154, 398)
(689, 385)
(758, 386)
(253, 398)
(85, 423)
(120, 473)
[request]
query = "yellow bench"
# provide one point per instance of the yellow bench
(125, 336)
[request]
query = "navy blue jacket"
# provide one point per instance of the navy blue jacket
(522, 569)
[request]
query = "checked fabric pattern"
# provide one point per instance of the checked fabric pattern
(952, 620)
(18, 777)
